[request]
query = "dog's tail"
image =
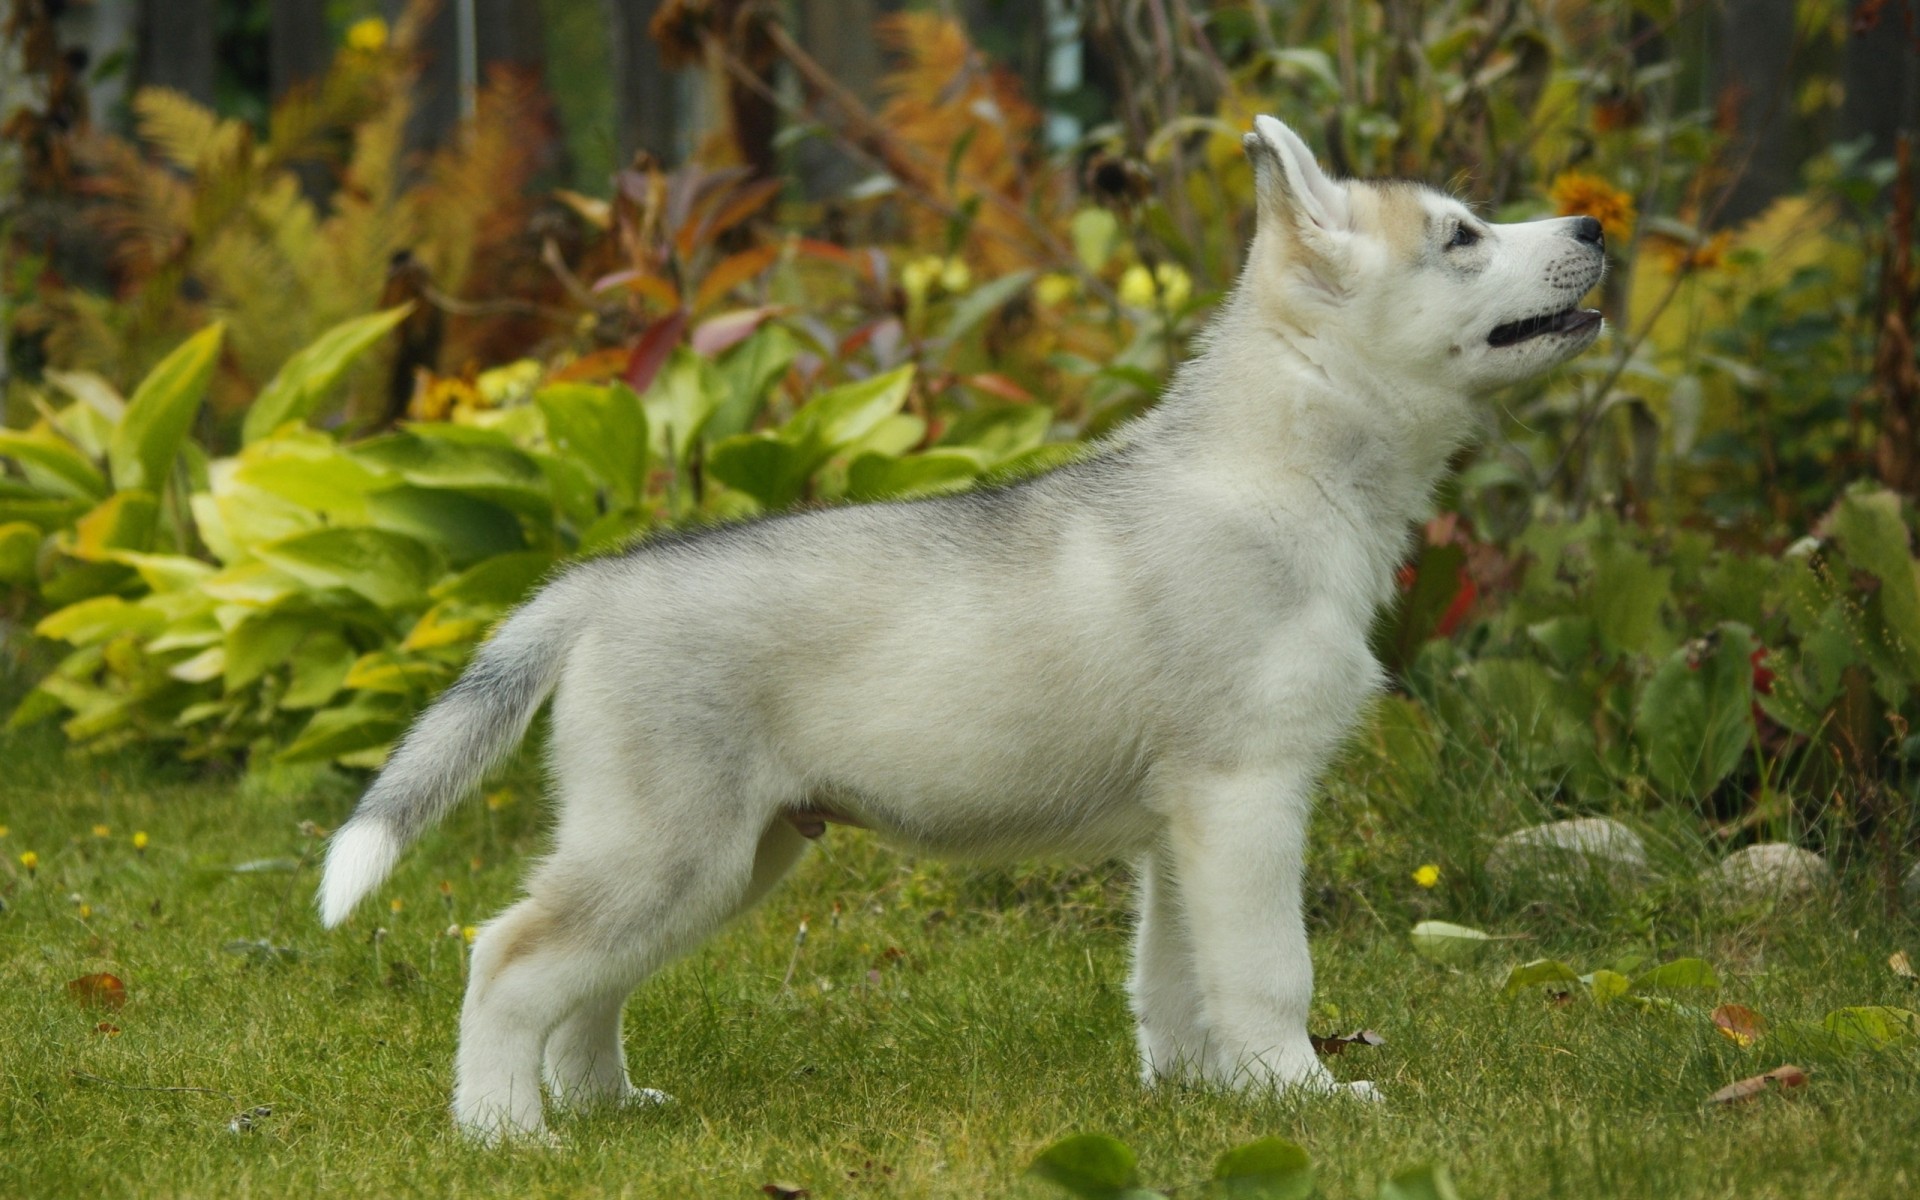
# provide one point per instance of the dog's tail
(472, 726)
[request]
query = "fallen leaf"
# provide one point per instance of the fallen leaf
(1902, 965)
(780, 1189)
(1338, 1043)
(1739, 1023)
(1341, 1041)
(1445, 942)
(1781, 1078)
(104, 991)
(107, 1028)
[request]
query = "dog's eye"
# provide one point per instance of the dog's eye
(1462, 236)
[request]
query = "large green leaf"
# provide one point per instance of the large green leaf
(501, 581)
(306, 378)
(1626, 596)
(52, 464)
(97, 619)
(389, 569)
(882, 477)
(364, 724)
(604, 429)
(1694, 721)
(19, 552)
(1870, 529)
(841, 415)
(1269, 1169)
(123, 521)
(477, 462)
(679, 403)
(764, 466)
(465, 528)
(1090, 1165)
(141, 448)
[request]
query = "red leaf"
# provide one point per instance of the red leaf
(728, 330)
(651, 351)
(1740, 1023)
(1782, 1078)
(995, 384)
(1458, 608)
(104, 991)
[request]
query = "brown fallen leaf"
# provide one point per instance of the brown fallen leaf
(1782, 1078)
(1902, 966)
(1739, 1023)
(780, 1189)
(1337, 1043)
(107, 1028)
(104, 991)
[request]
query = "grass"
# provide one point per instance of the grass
(937, 1027)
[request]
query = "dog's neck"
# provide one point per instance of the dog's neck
(1299, 427)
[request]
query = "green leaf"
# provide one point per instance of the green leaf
(123, 521)
(1269, 1169)
(52, 464)
(465, 528)
(1626, 595)
(1869, 528)
(771, 470)
(365, 724)
(389, 569)
(1694, 716)
(1539, 972)
(97, 619)
(1443, 942)
(981, 303)
(306, 378)
(750, 369)
(843, 414)
(604, 429)
(1088, 1164)
(19, 552)
(1680, 974)
(141, 448)
(319, 666)
(258, 644)
(501, 581)
(478, 462)
(879, 477)
(1608, 986)
(679, 402)
(1427, 1182)
(1873, 1027)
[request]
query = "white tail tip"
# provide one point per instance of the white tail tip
(359, 858)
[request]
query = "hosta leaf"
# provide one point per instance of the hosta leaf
(1538, 973)
(141, 448)
(389, 569)
(306, 378)
(1269, 1169)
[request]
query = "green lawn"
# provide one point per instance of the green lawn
(939, 1026)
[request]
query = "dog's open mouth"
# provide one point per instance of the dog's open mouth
(1567, 320)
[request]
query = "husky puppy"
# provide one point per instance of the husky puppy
(1152, 652)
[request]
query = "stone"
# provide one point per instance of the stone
(1563, 853)
(1772, 871)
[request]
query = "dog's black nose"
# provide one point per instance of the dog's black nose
(1588, 230)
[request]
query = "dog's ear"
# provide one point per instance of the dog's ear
(1290, 185)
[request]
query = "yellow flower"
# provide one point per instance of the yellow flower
(395, 905)
(4, 831)
(86, 911)
(1427, 875)
(368, 36)
(468, 932)
(1055, 288)
(1579, 194)
(1136, 287)
(918, 276)
(30, 861)
(1176, 286)
(101, 831)
(140, 840)
(954, 276)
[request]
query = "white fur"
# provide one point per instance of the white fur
(359, 857)
(1151, 653)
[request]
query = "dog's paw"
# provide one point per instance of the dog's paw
(639, 1097)
(1362, 1089)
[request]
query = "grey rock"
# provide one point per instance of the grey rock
(1563, 853)
(1772, 871)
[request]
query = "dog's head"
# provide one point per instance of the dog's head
(1411, 281)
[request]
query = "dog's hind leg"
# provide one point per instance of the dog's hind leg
(636, 877)
(585, 1063)
(1164, 985)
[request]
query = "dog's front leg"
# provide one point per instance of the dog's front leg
(1238, 843)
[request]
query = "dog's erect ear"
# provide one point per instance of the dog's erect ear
(1290, 184)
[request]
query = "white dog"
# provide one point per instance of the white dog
(1153, 652)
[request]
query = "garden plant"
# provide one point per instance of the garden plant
(308, 411)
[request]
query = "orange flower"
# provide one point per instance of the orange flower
(1579, 194)
(1677, 254)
